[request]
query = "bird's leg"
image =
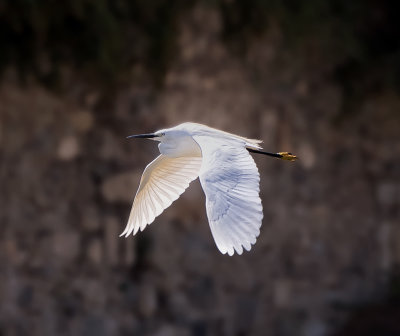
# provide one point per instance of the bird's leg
(280, 155)
(287, 156)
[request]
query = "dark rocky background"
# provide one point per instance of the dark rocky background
(318, 78)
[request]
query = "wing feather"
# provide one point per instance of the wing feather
(230, 181)
(162, 182)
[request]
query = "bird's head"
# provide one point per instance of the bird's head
(174, 142)
(164, 135)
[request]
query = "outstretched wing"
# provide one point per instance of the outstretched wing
(162, 182)
(230, 180)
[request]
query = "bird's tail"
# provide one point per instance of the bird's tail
(253, 143)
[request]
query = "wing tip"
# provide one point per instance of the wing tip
(240, 248)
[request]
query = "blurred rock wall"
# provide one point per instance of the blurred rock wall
(68, 176)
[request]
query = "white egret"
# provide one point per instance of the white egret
(228, 176)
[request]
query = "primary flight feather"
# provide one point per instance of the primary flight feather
(227, 173)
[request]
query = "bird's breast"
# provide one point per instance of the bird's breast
(184, 146)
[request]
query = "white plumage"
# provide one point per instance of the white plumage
(228, 176)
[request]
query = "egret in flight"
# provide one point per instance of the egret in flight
(228, 176)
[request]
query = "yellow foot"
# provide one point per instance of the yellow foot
(288, 156)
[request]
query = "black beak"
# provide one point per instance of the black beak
(145, 136)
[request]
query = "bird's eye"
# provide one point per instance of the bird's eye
(163, 134)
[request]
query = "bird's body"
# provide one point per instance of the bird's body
(228, 175)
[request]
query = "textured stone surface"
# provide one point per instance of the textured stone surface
(119, 188)
(66, 246)
(68, 148)
(330, 235)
